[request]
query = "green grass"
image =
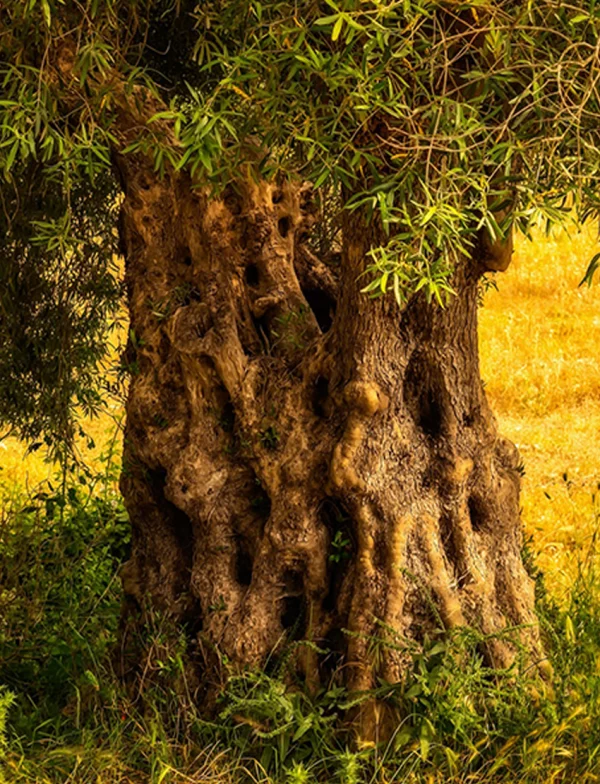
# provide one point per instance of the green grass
(72, 719)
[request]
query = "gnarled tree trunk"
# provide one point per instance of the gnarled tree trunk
(291, 473)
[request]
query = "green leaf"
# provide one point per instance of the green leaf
(327, 20)
(426, 735)
(403, 738)
(570, 629)
(397, 290)
(132, 147)
(372, 286)
(337, 28)
(10, 158)
(321, 178)
(165, 115)
(46, 12)
(591, 270)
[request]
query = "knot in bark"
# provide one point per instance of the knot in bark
(364, 400)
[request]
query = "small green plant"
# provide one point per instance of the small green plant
(7, 699)
(270, 437)
(350, 765)
(341, 547)
(298, 774)
(219, 606)
(180, 296)
(291, 327)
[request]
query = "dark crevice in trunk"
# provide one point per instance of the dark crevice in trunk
(243, 563)
(381, 550)
(323, 307)
(335, 645)
(320, 395)
(192, 626)
(430, 415)
(227, 417)
(426, 395)
(447, 539)
(342, 547)
(293, 616)
(261, 502)
(252, 275)
(232, 199)
(469, 419)
(177, 521)
(283, 226)
(164, 348)
(477, 513)
(293, 604)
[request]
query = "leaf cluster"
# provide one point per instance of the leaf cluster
(442, 120)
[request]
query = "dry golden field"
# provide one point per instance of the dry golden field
(540, 340)
(540, 345)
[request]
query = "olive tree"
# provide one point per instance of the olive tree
(308, 195)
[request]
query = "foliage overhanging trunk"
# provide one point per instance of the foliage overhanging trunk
(301, 461)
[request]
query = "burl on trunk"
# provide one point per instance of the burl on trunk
(301, 461)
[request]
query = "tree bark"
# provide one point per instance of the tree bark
(292, 474)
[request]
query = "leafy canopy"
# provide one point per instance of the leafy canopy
(441, 120)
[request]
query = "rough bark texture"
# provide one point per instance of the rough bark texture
(291, 474)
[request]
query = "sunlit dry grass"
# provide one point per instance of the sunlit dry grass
(26, 470)
(540, 340)
(540, 345)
